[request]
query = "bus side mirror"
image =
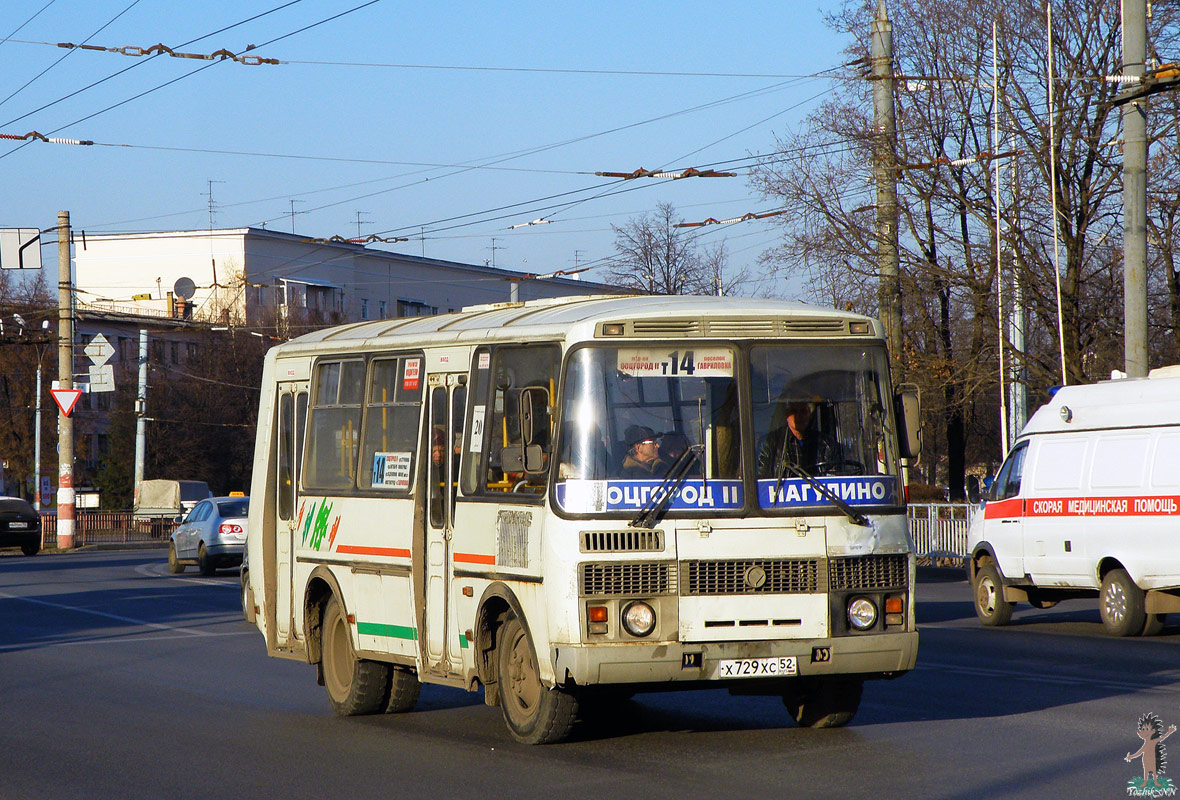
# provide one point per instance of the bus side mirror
(908, 407)
(534, 414)
(529, 458)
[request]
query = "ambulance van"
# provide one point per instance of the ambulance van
(1087, 504)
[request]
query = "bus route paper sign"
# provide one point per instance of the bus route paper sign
(412, 374)
(656, 362)
(391, 471)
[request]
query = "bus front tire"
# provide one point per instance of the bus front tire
(823, 702)
(1121, 605)
(533, 713)
(355, 686)
(990, 605)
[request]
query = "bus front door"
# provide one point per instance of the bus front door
(447, 401)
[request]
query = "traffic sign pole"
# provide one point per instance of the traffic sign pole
(65, 376)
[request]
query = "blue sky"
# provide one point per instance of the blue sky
(450, 158)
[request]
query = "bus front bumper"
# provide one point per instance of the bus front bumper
(882, 655)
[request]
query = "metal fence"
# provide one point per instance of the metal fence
(939, 530)
(99, 527)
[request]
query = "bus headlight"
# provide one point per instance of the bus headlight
(639, 619)
(862, 613)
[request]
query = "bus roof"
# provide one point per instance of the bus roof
(1124, 403)
(652, 316)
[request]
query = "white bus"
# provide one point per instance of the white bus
(575, 499)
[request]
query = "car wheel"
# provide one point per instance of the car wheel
(533, 713)
(1121, 605)
(990, 605)
(823, 702)
(355, 686)
(31, 549)
(404, 688)
(205, 562)
(174, 565)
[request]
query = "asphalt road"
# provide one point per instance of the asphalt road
(118, 680)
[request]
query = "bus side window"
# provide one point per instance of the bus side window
(393, 406)
(334, 446)
(520, 376)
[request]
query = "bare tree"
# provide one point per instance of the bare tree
(656, 257)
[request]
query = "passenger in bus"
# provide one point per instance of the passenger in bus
(672, 446)
(796, 438)
(643, 454)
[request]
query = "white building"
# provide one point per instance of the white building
(259, 277)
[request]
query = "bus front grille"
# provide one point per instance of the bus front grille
(621, 578)
(750, 576)
(629, 541)
(868, 572)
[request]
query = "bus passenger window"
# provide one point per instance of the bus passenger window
(334, 446)
(392, 409)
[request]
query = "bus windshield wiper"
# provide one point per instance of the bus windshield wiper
(854, 516)
(658, 500)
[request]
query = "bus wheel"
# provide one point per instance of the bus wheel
(174, 565)
(533, 714)
(404, 687)
(990, 605)
(354, 686)
(823, 702)
(1121, 605)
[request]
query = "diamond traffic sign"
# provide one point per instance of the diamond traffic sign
(66, 399)
(99, 350)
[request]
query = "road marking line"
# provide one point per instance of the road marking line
(117, 617)
(149, 571)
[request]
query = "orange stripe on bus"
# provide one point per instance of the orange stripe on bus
(475, 558)
(352, 549)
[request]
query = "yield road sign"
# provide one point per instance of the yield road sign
(99, 350)
(66, 399)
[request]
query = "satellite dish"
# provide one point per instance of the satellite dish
(184, 287)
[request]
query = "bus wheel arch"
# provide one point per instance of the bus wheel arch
(497, 603)
(321, 587)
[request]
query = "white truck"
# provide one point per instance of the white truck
(1087, 504)
(167, 498)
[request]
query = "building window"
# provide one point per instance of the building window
(382, 310)
(415, 308)
(175, 352)
(364, 308)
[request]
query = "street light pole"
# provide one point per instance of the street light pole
(37, 442)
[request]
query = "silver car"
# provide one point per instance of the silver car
(212, 535)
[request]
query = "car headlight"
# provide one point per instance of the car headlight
(639, 618)
(862, 613)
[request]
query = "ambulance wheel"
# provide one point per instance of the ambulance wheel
(1121, 605)
(355, 686)
(823, 702)
(1154, 624)
(533, 713)
(990, 605)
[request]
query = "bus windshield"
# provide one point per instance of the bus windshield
(816, 411)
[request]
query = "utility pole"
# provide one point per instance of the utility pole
(141, 411)
(1135, 194)
(37, 440)
(885, 171)
(65, 378)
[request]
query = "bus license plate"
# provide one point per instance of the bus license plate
(757, 667)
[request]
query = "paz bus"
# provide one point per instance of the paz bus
(464, 500)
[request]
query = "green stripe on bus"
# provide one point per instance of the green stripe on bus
(462, 642)
(392, 631)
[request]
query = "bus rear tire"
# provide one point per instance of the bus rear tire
(1121, 605)
(404, 688)
(823, 702)
(533, 713)
(355, 686)
(1154, 625)
(990, 605)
